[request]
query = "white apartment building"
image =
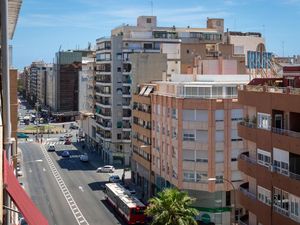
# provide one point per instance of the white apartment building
(114, 81)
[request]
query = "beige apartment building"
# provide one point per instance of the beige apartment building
(194, 140)
(141, 172)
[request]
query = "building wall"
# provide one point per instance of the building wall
(276, 141)
(14, 102)
(147, 67)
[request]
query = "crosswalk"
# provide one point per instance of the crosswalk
(54, 143)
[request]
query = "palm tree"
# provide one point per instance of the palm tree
(172, 207)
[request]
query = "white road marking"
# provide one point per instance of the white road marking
(44, 169)
(30, 170)
(81, 188)
(70, 200)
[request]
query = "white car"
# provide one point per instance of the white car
(51, 148)
(68, 135)
(84, 157)
(107, 169)
(62, 138)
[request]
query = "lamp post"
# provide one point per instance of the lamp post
(234, 195)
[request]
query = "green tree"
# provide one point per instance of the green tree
(172, 207)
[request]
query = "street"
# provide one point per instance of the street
(80, 178)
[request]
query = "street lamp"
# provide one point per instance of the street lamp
(234, 195)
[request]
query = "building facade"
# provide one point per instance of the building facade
(271, 195)
(141, 172)
(114, 85)
(194, 140)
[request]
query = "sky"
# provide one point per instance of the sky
(46, 26)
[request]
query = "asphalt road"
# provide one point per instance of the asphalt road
(80, 178)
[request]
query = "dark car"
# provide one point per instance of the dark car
(22, 135)
(65, 154)
(68, 142)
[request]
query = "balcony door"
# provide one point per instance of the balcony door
(278, 121)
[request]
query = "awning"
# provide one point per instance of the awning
(31, 213)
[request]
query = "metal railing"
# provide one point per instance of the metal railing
(247, 192)
(286, 132)
(270, 89)
(246, 157)
(248, 124)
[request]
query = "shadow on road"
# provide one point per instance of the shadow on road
(114, 212)
(97, 186)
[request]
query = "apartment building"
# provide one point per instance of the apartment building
(42, 84)
(195, 144)
(271, 195)
(141, 172)
(12, 196)
(114, 85)
(87, 100)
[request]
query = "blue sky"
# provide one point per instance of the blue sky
(45, 25)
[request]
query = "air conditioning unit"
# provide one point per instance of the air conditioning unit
(271, 168)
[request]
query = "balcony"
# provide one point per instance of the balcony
(249, 201)
(270, 97)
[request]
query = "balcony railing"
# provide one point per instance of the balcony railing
(246, 192)
(270, 89)
(286, 132)
(248, 124)
(245, 156)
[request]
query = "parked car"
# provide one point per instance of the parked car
(51, 148)
(84, 157)
(114, 179)
(68, 142)
(22, 135)
(73, 126)
(106, 168)
(65, 154)
(19, 173)
(62, 138)
(68, 135)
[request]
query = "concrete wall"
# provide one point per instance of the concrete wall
(147, 67)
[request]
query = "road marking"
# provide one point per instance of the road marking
(44, 169)
(70, 200)
(30, 170)
(81, 188)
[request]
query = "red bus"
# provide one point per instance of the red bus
(127, 205)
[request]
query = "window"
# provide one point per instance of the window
(281, 161)
(148, 20)
(202, 115)
(189, 135)
(188, 155)
(189, 176)
(174, 133)
(263, 157)
(281, 201)
(231, 91)
(217, 92)
(264, 195)
(174, 113)
(201, 156)
(119, 136)
(264, 121)
(234, 136)
(294, 210)
(219, 115)
(219, 136)
(202, 136)
(188, 115)
(237, 114)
